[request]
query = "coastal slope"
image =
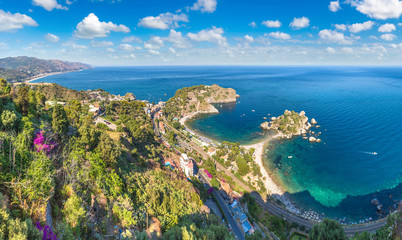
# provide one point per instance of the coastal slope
(197, 99)
(19, 69)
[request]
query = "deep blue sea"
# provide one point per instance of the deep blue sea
(358, 109)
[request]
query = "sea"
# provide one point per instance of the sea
(358, 110)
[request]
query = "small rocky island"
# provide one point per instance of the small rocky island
(291, 124)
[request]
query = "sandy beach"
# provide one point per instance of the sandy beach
(272, 188)
(270, 185)
(47, 75)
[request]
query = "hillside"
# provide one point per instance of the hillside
(62, 175)
(18, 69)
(198, 99)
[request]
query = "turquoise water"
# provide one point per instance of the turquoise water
(359, 110)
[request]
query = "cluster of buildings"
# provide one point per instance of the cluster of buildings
(154, 110)
(105, 96)
(186, 165)
(241, 218)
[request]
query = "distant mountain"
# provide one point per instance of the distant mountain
(18, 69)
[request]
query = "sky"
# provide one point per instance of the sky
(204, 32)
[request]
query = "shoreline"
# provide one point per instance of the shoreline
(275, 190)
(37, 77)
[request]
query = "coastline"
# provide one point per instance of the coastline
(273, 189)
(37, 77)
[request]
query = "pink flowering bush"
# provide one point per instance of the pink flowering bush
(41, 144)
(208, 174)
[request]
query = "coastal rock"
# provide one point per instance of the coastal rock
(265, 125)
(273, 118)
(318, 140)
(302, 113)
(313, 121)
(312, 139)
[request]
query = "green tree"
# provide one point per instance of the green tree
(22, 100)
(108, 149)
(73, 210)
(9, 119)
(60, 122)
(328, 229)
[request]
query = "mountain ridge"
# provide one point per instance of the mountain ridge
(23, 68)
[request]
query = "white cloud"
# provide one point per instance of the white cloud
(214, 35)
(154, 43)
(358, 27)
(49, 5)
(155, 52)
(341, 27)
(253, 24)
(111, 50)
(348, 50)
(334, 6)
(397, 45)
(177, 39)
(205, 6)
(400, 24)
(131, 39)
(388, 37)
(388, 27)
(101, 43)
(163, 21)
(128, 47)
(249, 38)
(91, 27)
(52, 38)
(330, 50)
(272, 23)
(75, 46)
(9, 21)
(172, 50)
(333, 36)
(279, 35)
(4, 46)
(379, 9)
(298, 23)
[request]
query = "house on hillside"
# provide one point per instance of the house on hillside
(211, 151)
(187, 165)
(226, 187)
(161, 127)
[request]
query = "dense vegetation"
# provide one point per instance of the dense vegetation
(197, 99)
(61, 176)
(53, 91)
(17, 69)
(290, 123)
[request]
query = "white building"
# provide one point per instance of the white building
(186, 164)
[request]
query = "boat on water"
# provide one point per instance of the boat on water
(374, 153)
(290, 156)
(253, 110)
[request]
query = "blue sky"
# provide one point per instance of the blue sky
(204, 32)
